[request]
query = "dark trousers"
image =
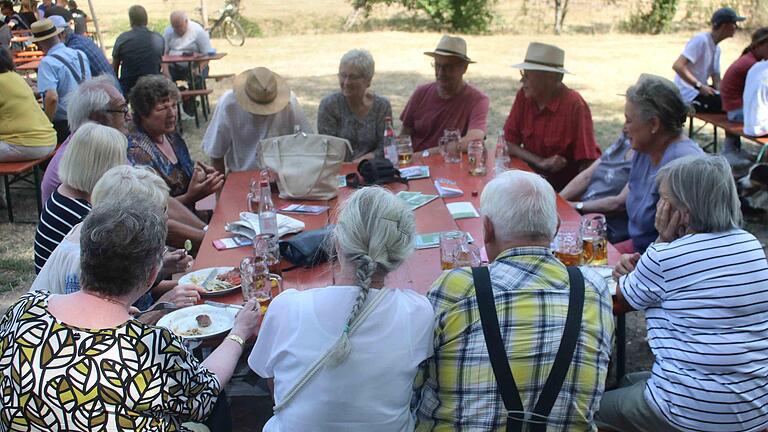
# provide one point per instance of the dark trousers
(708, 104)
(62, 130)
(180, 71)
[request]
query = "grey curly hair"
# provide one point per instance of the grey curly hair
(374, 232)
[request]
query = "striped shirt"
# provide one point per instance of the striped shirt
(59, 216)
(456, 388)
(706, 302)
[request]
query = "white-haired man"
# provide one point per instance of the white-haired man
(529, 291)
(185, 36)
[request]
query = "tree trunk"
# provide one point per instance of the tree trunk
(95, 24)
(204, 13)
(352, 19)
(561, 8)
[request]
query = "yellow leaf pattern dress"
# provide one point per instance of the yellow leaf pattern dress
(134, 377)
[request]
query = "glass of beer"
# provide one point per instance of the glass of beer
(568, 245)
(266, 246)
(452, 153)
(451, 245)
(594, 239)
(404, 150)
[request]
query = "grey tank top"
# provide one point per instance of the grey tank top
(612, 174)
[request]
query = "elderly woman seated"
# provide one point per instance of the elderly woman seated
(373, 348)
(703, 287)
(87, 364)
(123, 183)
(354, 112)
(154, 100)
(92, 150)
(654, 117)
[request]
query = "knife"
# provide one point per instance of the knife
(222, 305)
(209, 278)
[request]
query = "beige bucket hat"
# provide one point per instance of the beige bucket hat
(451, 46)
(43, 29)
(261, 91)
(543, 57)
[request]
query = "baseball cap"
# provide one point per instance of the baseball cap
(725, 15)
(58, 21)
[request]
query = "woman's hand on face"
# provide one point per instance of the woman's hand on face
(626, 265)
(670, 222)
(183, 295)
(176, 262)
(248, 320)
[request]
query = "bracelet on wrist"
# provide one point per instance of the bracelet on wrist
(237, 339)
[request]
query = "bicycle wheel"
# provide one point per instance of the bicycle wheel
(233, 31)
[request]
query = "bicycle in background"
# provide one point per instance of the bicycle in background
(227, 23)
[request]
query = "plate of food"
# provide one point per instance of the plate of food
(607, 273)
(200, 321)
(227, 280)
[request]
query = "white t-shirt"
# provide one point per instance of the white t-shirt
(234, 133)
(756, 100)
(371, 390)
(704, 61)
(706, 302)
(195, 40)
(61, 272)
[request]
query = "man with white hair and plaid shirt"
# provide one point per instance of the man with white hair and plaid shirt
(457, 389)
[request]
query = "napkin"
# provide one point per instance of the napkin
(248, 225)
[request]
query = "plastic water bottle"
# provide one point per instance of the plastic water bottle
(267, 212)
(390, 148)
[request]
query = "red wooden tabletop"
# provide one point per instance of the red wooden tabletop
(192, 58)
(29, 66)
(417, 273)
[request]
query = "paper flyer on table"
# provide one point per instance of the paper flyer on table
(414, 200)
(462, 210)
(447, 188)
(415, 172)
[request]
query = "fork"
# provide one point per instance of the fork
(157, 307)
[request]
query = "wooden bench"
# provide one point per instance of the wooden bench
(221, 77)
(194, 94)
(720, 120)
(20, 172)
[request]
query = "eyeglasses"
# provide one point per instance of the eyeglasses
(123, 109)
(448, 67)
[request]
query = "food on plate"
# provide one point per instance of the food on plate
(222, 282)
(203, 320)
(195, 331)
(231, 277)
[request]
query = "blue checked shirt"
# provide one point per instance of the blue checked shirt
(98, 61)
(456, 389)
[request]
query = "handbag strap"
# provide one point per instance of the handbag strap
(500, 362)
(78, 78)
(281, 175)
(319, 363)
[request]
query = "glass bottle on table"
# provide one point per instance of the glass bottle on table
(501, 161)
(390, 147)
(267, 211)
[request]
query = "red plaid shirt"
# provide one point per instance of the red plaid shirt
(563, 127)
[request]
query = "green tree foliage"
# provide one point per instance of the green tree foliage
(654, 22)
(463, 16)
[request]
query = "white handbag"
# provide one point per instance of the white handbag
(306, 164)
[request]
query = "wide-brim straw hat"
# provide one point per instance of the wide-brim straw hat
(43, 29)
(261, 91)
(543, 57)
(451, 46)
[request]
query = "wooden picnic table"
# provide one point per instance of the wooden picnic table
(720, 120)
(31, 65)
(195, 58)
(418, 272)
(27, 54)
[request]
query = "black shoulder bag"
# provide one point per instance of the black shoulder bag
(516, 414)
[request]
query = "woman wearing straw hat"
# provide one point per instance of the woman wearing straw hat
(550, 125)
(447, 103)
(260, 105)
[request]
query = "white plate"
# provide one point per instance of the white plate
(200, 275)
(607, 273)
(183, 320)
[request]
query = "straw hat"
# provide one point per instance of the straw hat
(44, 29)
(451, 46)
(261, 91)
(543, 57)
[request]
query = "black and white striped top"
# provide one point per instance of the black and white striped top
(59, 216)
(706, 301)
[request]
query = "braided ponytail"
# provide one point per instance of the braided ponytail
(364, 272)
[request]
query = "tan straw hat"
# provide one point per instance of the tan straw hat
(44, 29)
(543, 57)
(261, 91)
(451, 46)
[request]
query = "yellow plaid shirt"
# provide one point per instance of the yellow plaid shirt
(456, 388)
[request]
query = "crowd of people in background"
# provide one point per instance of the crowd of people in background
(119, 202)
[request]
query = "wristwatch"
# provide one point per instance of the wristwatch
(698, 85)
(579, 206)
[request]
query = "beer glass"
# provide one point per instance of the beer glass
(594, 239)
(404, 150)
(452, 153)
(450, 242)
(567, 244)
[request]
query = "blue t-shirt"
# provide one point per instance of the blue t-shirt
(53, 75)
(644, 193)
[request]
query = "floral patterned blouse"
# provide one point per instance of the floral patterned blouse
(133, 377)
(142, 150)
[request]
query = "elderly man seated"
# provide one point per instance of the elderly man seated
(550, 125)
(529, 292)
(260, 105)
(703, 287)
(447, 103)
(186, 37)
